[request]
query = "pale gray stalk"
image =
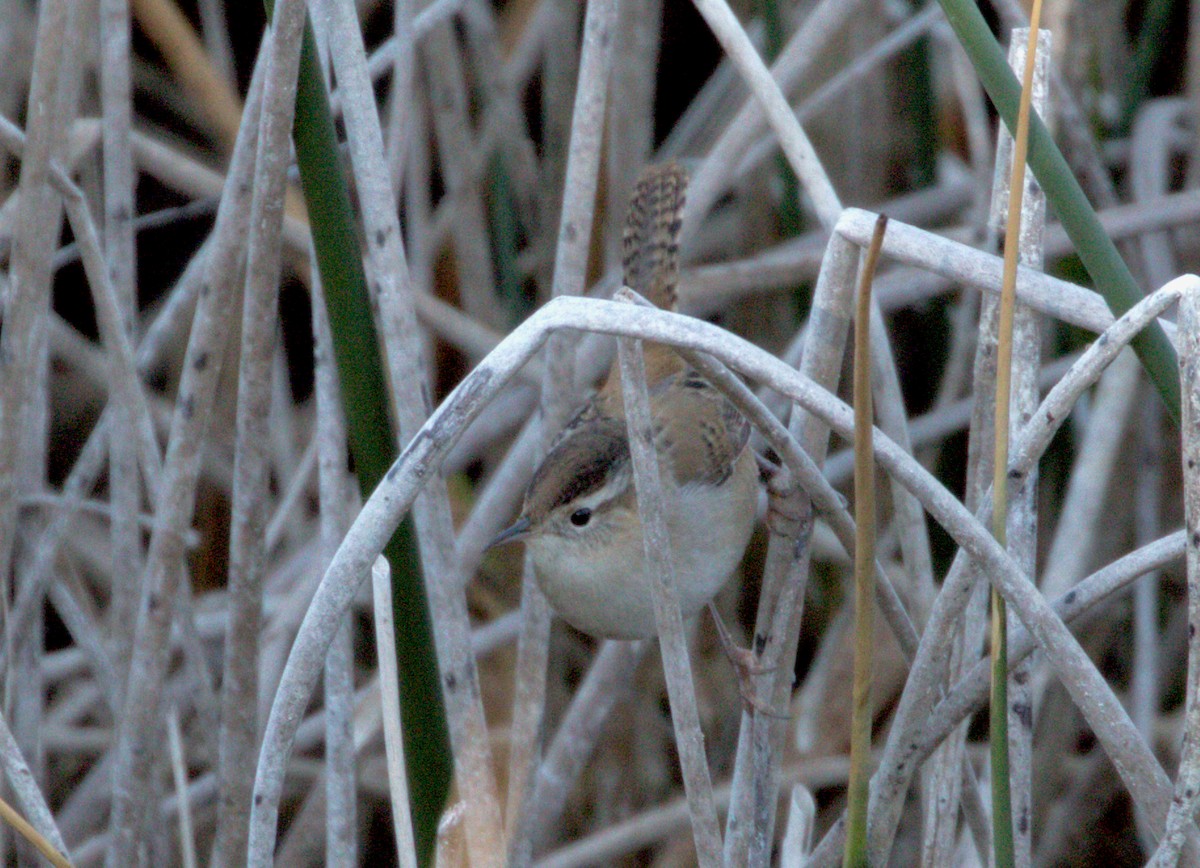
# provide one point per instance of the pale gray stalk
(119, 207)
(576, 225)
(940, 423)
(23, 340)
(792, 139)
(608, 682)
(187, 840)
(863, 64)
(1060, 299)
(25, 788)
(973, 102)
(70, 598)
(970, 692)
(1077, 812)
(201, 792)
(214, 29)
(672, 818)
(1151, 175)
(334, 596)
(812, 697)
(1083, 523)
(400, 99)
(85, 810)
(795, 60)
(1187, 782)
(84, 472)
(24, 694)
(826, 501)
(1080, 526)
(290, 587)
(1150, 178)
(289, 513)
(1022, 522)
(282, 449)
(558, 68)
(1145, 694)
(630, 112)
(707, 288)
(942, 798)
(529, 695)
(909, 519)
(498, 498)
(260, 320)
(797, 836)
(1077, 142)
(536, 39)
(176, 494)
(752, 803)
(335, 492)
(177, 170)
(1139, 770)
(305, 842)
(128, 396)
(389, 698)
(459, 160)
(473, 338)
(503, 127)
(660, 567)
(383, 58)
(420, 240)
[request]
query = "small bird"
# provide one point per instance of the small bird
(580, 519)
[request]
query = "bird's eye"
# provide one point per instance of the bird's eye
(581, 517)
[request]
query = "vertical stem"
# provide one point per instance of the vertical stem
(119, 244)
(1002, 842)
(864, 562)
(334, 493)
(689, 738)
(1002, 835)
(239, 721)
(752, 805)
(389, 697)
(575, 229)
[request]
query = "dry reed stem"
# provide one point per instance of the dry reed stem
(653, 508)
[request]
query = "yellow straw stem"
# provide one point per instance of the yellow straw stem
(1002, 836)
(864, 562)
(1008, 287)
(9, 815)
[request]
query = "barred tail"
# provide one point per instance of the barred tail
(651, 242)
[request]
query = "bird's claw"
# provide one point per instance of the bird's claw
(746, 666)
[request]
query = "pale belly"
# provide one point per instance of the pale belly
(611, 597)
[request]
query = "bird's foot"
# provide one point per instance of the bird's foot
(787, 509)
(746, 667)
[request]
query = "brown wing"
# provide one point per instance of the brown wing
(689, 409)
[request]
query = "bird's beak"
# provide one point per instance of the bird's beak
(516, 531)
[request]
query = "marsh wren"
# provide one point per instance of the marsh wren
(580, 518)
